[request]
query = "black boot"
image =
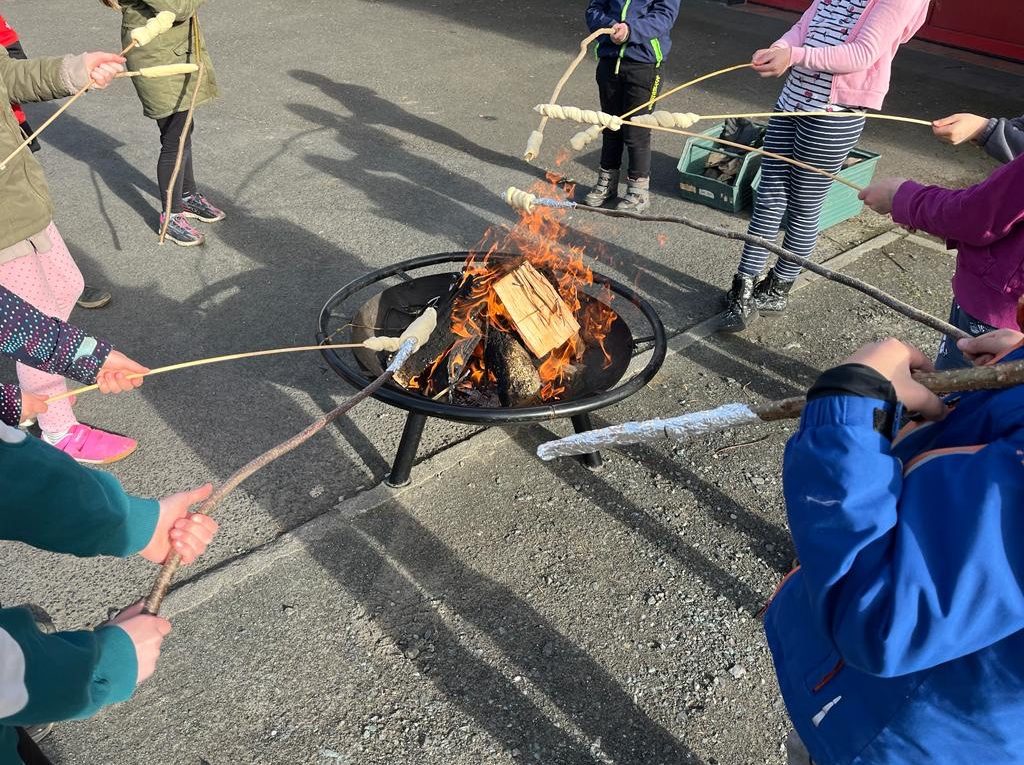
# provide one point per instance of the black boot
(607, 187)
(771, 295)
(740, 309)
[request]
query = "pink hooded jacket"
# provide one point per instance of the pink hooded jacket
(863, 64)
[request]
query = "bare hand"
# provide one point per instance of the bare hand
(895, 361)
(114, 375)
(102, 67)
(31, 406)
(959, 128)
(620, 33)
(983, 350)
(178, 530)
(880, 194)
(772, 62)
(147, 633)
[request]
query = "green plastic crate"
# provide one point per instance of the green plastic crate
(694, 187)
(842, 203)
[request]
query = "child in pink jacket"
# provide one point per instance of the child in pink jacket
(839, 58)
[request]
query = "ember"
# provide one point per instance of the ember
(517, 329)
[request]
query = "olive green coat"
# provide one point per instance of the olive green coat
(25, 205)
(182, 44)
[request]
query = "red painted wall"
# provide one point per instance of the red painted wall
(995, 27)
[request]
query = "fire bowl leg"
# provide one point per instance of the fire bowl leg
(407, 447)
(581, 424)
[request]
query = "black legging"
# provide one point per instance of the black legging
(170, 134)
(623, 85)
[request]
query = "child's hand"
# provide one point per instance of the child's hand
(620, 33)
(959, 128)
(772, 62)
(188, 534)
(880, 194)
(113, 375)
(984, 349)
(31, 406)
(895, 361)
(102, 67)
(147, 633)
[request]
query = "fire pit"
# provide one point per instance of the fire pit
(386, 302)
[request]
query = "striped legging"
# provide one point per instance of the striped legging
(825, 143)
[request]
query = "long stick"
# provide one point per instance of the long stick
(537, 137)
(64, 107)
(522, 201)
(204, 362)
(873, 116)
(685, 85)
(689, 426)
(170, 567)
(184, 133)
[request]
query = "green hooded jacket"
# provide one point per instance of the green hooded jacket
(25, 205)
(183, 44)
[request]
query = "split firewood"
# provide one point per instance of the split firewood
(541, 317)
(518, 380)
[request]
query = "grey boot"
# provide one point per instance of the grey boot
(771, 295)
(741, 311)
(607, 187)
(638, 195)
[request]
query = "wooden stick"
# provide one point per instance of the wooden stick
(689, 426)
(183, 139)
(537, 138)
(522, 201)
(171, 565)
(764, 152)
(204, 362)
(64, 107)
(871, 116)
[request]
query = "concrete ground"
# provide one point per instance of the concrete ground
(500, 610)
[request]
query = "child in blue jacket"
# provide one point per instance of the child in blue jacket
(628, 76)
(900, 638)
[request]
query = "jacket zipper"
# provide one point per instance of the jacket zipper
(622, 48)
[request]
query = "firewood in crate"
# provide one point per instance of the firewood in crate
(518, 381)
(541, 317)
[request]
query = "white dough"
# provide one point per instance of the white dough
(519, 199)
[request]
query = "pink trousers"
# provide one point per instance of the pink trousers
(52, 283)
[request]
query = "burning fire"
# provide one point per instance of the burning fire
(540, 237)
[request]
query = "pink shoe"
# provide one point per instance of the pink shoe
(92, 446)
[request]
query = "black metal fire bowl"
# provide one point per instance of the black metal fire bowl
(388, 308)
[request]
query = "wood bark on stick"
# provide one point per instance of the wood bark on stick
(541, 317)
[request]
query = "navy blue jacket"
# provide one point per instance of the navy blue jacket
(900, 640)
(650, 26)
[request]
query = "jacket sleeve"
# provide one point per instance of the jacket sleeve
(48, 344)
(49, 501)
(61, 676)
(10, 405)
(902, 587)
(656, 21)
(38, 79)
(182, 9)
(890, 23)
(979, 215)
(1003, 139)
(798, 32)
(598, 16)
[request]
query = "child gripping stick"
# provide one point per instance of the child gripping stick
(839, 59)
(166, 100)
(628, 76)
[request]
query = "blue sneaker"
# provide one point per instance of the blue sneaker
(181, 232)
(198, 206)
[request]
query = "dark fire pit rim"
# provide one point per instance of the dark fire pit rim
(482, 416)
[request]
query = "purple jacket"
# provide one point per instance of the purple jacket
(985, 224)
(49, 344)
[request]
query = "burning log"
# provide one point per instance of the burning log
(518, 380)
(541, 317)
